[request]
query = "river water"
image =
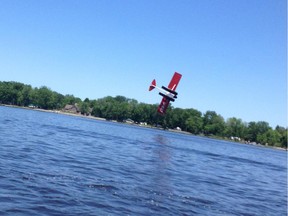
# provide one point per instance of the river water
(53, 164)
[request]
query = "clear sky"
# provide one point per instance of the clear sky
(232, 54)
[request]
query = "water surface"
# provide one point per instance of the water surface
(52, 164)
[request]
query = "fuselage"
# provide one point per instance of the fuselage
(169, 94)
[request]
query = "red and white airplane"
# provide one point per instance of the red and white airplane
(169, 94)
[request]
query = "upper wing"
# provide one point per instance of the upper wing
(163, 105)
(174, 81)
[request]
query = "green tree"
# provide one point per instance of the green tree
(44, 98)
(25, 97)
(283, 135)
(178, 118)
(270, 137)
(87, 100)
(9, 92)
(213, 123)
(70, 99)
(84, 108)
(135, 111)
(235, 127)
(194, 123)
(58, 100)
(255, 130)
(96, 109)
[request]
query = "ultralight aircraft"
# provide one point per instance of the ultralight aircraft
(168, 94)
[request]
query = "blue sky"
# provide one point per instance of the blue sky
(232, 54)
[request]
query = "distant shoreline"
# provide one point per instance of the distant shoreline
(54, 111)
(146, 126)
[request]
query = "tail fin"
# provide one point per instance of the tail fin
(153, 84)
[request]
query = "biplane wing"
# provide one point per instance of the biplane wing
(174, 81)
(163, 106)
(169, 94)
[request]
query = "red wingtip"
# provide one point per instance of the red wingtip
(153, 84)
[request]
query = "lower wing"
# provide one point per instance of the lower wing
(163, 105)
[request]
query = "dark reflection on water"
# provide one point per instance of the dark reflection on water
(52, 164)
(162, 148)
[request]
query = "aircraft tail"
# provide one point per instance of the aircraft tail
(153, 84)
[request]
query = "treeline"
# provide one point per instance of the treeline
(120, 108)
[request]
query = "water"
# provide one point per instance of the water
(52, 164)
